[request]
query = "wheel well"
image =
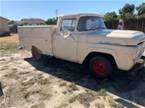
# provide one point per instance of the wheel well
(108, 56)
(35, 48)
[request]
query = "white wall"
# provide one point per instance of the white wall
(4, 25)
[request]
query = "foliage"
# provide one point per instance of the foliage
(10, 46)
(110, 16)
(51, 21)
(141, 9)
(111, 20)
(127, 13)
(11, 22)
(127, 10)
(112, 24)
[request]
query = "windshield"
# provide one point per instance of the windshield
(87, 23)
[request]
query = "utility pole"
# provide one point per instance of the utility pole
(56, 12)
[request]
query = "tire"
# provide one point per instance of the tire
(100, 67)
(36, 54)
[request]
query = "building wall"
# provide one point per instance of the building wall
(4, 25)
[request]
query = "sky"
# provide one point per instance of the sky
(44, 9)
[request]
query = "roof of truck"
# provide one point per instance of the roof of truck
(82, 14)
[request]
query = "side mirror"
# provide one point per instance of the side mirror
(66, 33)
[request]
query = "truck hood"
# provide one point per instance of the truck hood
(118, 37)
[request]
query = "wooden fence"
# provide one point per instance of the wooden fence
(135, 24)
(129, 24)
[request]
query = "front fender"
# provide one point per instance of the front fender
(86, 50)
(121, 55)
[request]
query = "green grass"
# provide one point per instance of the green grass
(10, 46)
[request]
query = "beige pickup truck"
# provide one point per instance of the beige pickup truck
(84, 39)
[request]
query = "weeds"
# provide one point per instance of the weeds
(10, 46)
(63, 84)
(73, 87)
(102, 92)
(84, 98)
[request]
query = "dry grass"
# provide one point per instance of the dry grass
(9, 39)
(9, 42)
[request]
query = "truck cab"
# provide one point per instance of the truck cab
(83, 38)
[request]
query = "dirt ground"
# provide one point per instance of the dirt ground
(9, 39)
(55, 83)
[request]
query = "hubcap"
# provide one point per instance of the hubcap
(100, 68)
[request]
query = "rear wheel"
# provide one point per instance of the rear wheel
(100, 67)
(36, 53)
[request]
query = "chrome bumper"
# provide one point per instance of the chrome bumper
(141, 60)
(140, 64)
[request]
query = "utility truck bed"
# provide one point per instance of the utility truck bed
(38, 36)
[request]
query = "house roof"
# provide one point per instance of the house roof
(4, 18)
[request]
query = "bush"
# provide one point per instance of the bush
(112, 24)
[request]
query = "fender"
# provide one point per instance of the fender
(83, 53)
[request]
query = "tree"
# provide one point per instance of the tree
(11, 22)
(110, 16)
(111, 20)
(51, 21)
(141, 9)
(127, 10)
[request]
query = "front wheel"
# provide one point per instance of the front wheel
(100, 67)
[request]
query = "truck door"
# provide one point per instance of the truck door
(65, 41)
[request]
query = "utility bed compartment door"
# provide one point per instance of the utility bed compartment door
(38, 36)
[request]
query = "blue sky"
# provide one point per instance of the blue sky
(18, 9)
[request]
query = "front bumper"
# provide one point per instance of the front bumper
(139, 53)
(139, 65)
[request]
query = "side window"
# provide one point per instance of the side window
(68, 24)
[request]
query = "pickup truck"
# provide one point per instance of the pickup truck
(83, 38)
